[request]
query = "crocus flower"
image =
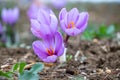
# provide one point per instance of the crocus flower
(59, 3)
(32, 11)
(1, 29)
(45, 24)
(73, 22)
(10, 16)
(49, 49)
(2, 33)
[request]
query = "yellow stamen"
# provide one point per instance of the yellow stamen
(71, 25)
(50, 51)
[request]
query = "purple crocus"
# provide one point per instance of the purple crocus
(45, 23)
(10, 16)
(73, 22)
(1, 29)
(49, 49)
(32, 11)
(59, 3)
(2, 33)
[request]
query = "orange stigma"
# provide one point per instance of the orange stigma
(50, 51)
(71, 25)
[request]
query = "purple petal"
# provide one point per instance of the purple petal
(73, 14)
(32, 11)
(45, 29)
(73, 31)
(1, 29)
(65, 20)
(43, 16)
(83, 28)
(53, 23)
(82, 20)
(13, 15)
(59, 47)
(16, 13)
(4, 15)
(49, 41)
(62, 13)
(52, 58)
(39, 49)
(59, 3)
(9, 16)
(35, 28)
(61, 51)
(63, 25)
(39, 30)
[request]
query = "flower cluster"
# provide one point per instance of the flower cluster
(45, 26)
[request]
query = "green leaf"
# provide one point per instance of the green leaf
(27, 75)
(87, 35)
(15, 67)
(32, 74)
(9, 73)
(103, 29)
(111, 29)
(78, 78)
(69, 57)
(117, 27)
(101, 32)
(21, 67)
(4, 74)
(37, 68)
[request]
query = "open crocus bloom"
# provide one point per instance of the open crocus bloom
(73, 22)
(45, 23)
(49, 49)
(10, 16)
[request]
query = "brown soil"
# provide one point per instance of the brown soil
(98, 60)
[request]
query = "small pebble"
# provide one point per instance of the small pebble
(108, 71)
(95, 41)
(100, 71)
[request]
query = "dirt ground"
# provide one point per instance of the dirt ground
(97, 60)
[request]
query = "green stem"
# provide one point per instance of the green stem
(11, 33)
(66, 40)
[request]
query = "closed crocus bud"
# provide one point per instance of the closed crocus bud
(59, 3)
(10, 16)
(50, 48)
(73, 22)
(32, 11)
(1, 29)
(45, 23)
(2, 34)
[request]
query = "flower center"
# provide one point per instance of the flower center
(71, 25)
(50, 51)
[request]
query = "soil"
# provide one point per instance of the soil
(97, 60)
